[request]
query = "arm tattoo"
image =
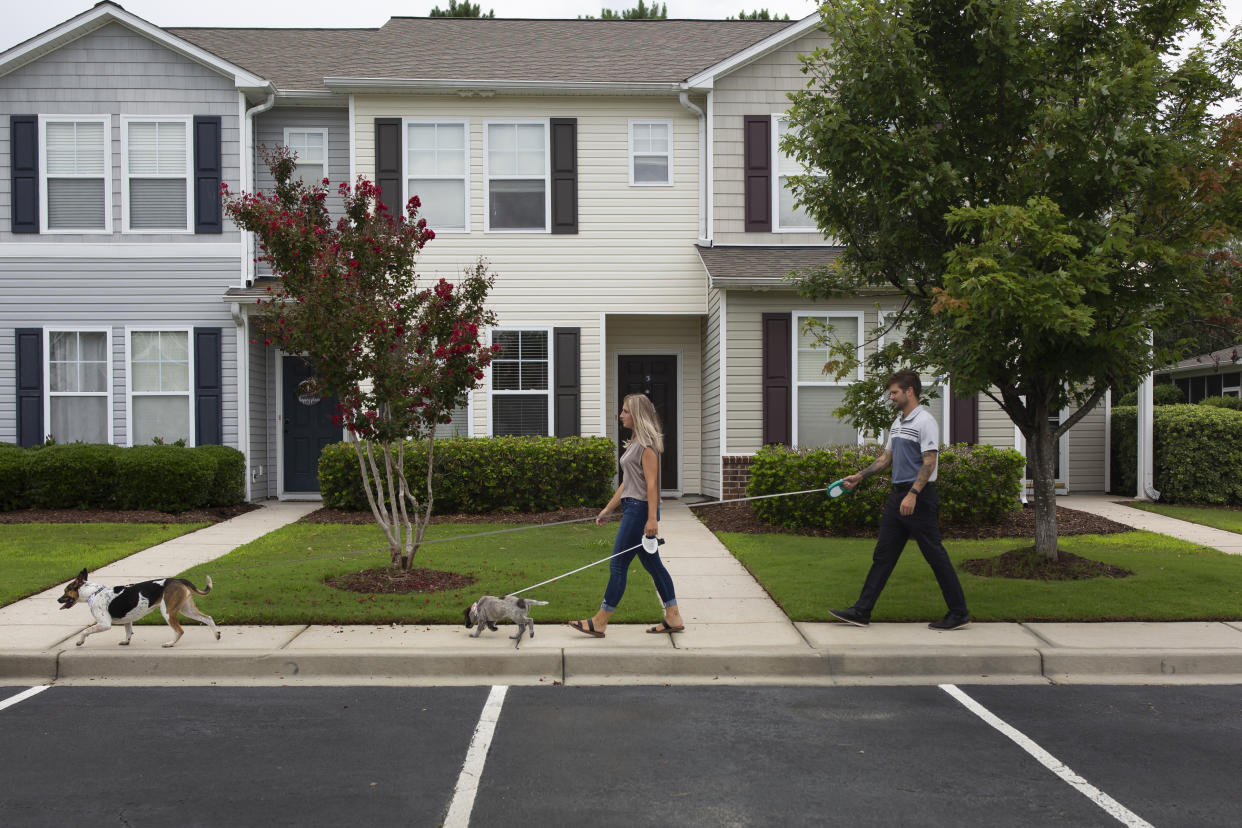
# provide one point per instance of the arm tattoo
(880, 464)
(925, 471)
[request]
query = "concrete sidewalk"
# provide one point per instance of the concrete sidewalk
(735, 633)
(1109, 506)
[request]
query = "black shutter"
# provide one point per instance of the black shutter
(208, 173)
(567, 385)
(208, 387)
(777, 379)
(964, 419)
(564, 175)
(29, 347)
(757, 164)
(388, 166)
(24, 143)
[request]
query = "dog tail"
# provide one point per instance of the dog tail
(536, 603)
(195, 589)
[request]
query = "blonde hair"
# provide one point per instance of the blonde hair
(646, 422)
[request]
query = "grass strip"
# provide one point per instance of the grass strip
(1218, 517)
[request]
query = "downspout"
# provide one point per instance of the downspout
(684, 97)
(248, 166)
(243, 387)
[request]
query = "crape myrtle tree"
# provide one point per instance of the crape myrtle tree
(1041, 183)
(397, 357)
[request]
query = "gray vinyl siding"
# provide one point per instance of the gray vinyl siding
(711, 395)
(115, 71)
(269, 130)
(259, 377)
(115, 293)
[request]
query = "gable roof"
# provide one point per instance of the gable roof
(551, 52)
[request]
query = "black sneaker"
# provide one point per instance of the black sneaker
(851, 616)
(952, 621)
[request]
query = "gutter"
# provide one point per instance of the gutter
(469, 87)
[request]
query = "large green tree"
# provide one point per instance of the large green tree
(1041, 183)
(462, 9)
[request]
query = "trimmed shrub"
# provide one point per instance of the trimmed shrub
(1234, 403)
(1162, 393)
(165, 478)
(486, 474)
(1197, 453)
(228, 481)
(12, 478)
(977, 484)
(73, 476)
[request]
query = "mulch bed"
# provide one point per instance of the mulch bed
(1026, 564)
(365, 517)
(740, 517)
(385, 581)
(214, 514)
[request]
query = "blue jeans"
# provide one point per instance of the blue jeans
(630, 533)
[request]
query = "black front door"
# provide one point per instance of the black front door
(655, 376)
(307, 428)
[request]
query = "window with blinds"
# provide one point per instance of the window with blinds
(516, 166)
(78, 395)
(311, 148)
(437, 170)
(520, 393)
(159, 386)
(76, 174)
(651, 153)
(789, 216)
(157, 174)
(819, 394)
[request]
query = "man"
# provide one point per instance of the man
(913, 507)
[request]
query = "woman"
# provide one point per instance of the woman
(638, 493)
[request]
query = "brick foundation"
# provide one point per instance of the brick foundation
(735, 474)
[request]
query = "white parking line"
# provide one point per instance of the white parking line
(1114, 808)
(22, 696)
(472, 769)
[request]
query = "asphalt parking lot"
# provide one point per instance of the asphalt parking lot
(621, 756)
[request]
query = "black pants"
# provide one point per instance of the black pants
(895, 529)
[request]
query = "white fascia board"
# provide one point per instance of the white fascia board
(311, 97)
(474, 86)
(102, 15)
(706, 78)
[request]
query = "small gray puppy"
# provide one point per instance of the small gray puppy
(489, 609)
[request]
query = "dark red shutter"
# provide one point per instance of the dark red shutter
(777, 378)
(566, 379)
(964, 419)
(29, 358)
(208, 173)
(757, 167)
(388, 167)
(564, 175)
(24, 166)
(208, 387)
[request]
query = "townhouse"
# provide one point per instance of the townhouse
(622, 178)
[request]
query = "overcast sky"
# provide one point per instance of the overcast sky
(26, 18)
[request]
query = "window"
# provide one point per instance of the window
(516, 169)
(651, 153)
(938, 407)
(459, 425)
(77, 176)
(156, 181)
(311, 148)
(787, 217)
(159, 387)
(78, 379)
(520, 396)
(817, 395)
(438, 172)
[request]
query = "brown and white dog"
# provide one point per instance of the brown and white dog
(126, 604)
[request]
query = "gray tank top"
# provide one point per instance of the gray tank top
(633, 481)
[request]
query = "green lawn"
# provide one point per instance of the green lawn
(35, 556)
(1220, 517)
(294, 592)
(1173, 580)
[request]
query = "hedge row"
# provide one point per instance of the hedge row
(1197, 452)
(1162, 393)
(976, 484)
(480, 475)
(88, 476)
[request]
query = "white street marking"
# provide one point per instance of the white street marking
(22, 696)
(1112, 806)
(472, 769)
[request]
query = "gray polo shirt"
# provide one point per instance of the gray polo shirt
(908, 439)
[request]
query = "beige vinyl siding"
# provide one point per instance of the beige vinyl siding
(995, 427)
(680, 335)
(711, 395)
(1087, 453)
(635, 245)
(758, 88)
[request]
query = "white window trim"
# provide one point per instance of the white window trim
(130, 330)
(188, 175)
(798, 316)
(668, 122)
(945, 387)
(44, 120)
(777, 117)
(547, 180)
(309, 130)
(464, 177)
(47, 376)
(492, 393)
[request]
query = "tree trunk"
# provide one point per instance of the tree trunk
(1040, 455)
